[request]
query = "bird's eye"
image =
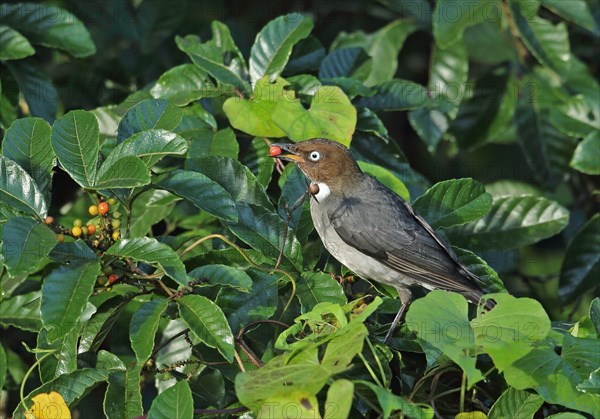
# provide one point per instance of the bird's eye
(314, 155)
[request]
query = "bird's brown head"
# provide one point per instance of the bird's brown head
(322, 161)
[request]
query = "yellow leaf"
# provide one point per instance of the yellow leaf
(471, 415)
(48, 406)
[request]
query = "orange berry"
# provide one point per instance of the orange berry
(76, 231)
(102, 208)
(91, 229)
(93, 210)
(49, 220)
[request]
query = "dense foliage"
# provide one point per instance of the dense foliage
(155, 260)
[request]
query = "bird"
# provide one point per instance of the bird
(373, 231)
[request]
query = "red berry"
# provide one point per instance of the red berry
(103, 208)
(113, 278)
(274, 151)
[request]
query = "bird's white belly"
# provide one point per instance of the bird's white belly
(360, 263)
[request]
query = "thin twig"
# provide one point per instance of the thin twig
(256, 361)
(239, 361)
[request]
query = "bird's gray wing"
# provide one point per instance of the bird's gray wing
(384, 226)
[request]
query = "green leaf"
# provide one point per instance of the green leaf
(577, 11)
(209, 57)
(157, 21)
(205, 143)
(395, 95)
(512, 222)
(254, 115)
(32, 80)
(452, 17)
(306, 56)
(273, 45)
(3, 366)
(28, 143)
(76, 143)
(149, 114)
(22, 312)
(72, 386)
(449, 71)
(581, 265)
(488, 278)
(256, 158)
(65, 293)
(143, 327)
(183, 84)
(259, 304)
(331, 115)
(547, 42)
(126, 172)
(149, 208)
(26, 244)
(18, 191)
(440, 318)
(223, 275)
(508, 332)
(50, 26)
(208, 323)
(318, 287)
(515, 404)
(592, 384)
(386, 177)
(264, 230)
(490, 101)
(577, 117)
(389, 402)
(339, 399)
(97, 328)
(13, 45)
(174, 402)
(236, 178)
(555, 377)
(346, 62)
(487, 36)
(430, 124)
(547, 150)
(150, 251)
(453, 202)
(585, 159)
(203, 192)
(150, 146)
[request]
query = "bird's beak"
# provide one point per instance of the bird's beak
(291, 154)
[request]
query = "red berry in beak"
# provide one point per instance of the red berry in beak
(274, 151)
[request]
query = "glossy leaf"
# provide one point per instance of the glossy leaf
(207, 143)
(150, 146)
(13, 45)
(451, 18)
(183, 84)
(143, 327)
(490, 282)
(318, 287)
(581, 265)
(515, 403)
(149, 114)
(26, 244)
(223, 275)
(149, 208)
(391, 402)
(585, 159)
(578, 116)
(28, 143)
(22, 311)
(65, 293)
(453, 202)
(19, 191)
(76, 143)
(208, 323)
(345, 62)
(234, 177)
(448, 72)
(512, 222)
(430, 124)
(157, 21)
(149, 250)
(264, 230)
(331, 115)
(257, 159)
(174, 402)
(125, 172)
(273, 45)
(577, 11)
(339, 398)
(50, 26)
(203, 192)
(396, 95)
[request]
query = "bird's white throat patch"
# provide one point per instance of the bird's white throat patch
(323, 193)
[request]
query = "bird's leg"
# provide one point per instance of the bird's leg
(405, 297)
